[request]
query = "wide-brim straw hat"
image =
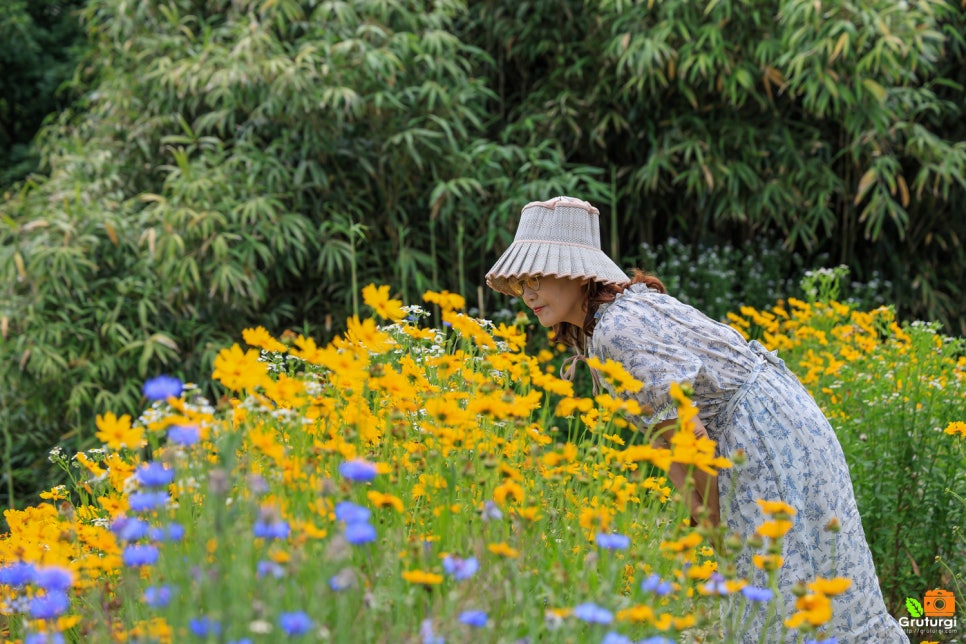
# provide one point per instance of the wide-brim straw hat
(559, 237)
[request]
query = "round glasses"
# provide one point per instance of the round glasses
(517, 284)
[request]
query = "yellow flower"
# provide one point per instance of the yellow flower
(377, 297)
(117, 433)
(830, 587)
(259, 337)
(956, 427)
(422, 577)
(776, 507)
(767, 562)
(774, 529)
(508, 488)
(445, 300)
(239, 370)
(814, 608)
(504, 550)
(381, 500)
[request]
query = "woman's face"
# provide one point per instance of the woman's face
(556, 300)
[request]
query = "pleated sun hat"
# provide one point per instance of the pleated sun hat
(559, 237)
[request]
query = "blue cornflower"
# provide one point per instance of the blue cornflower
(716, 585)
(591, 612)
(613, 541)
(349, 512)
(140, 555)
(145, 501)
(359, 533)
(297, 623)
(427, 635)
(271, 529)
(54, 578)
(17, 574)
(342, 580)
(757, 594)
(130, 528)
(162, 387)
(490, 512)
(154, 474)
(460, 568)
(157, 596)
(655, 585)
(44, 638)
(358, 470)
(49, 606)
(204, 626)
(184, 434)
(657, 639)
(475, 618)
(267, 567)
(613, 637)
(830, 640)
(171, 532)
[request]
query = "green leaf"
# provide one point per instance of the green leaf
(914, 607)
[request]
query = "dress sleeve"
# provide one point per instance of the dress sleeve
(647, 343)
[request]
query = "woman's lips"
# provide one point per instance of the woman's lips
(537, 310)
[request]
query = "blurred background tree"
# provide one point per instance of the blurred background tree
(218, 164)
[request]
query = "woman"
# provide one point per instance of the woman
(747, 400)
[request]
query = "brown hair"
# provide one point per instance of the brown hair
(599, 293)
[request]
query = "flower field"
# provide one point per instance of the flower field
(406, 483)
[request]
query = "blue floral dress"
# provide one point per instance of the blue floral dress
(748, 400)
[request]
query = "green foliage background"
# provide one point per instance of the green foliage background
(227, 164)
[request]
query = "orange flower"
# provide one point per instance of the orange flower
(776, 507)
(117, 433)
(814, 608)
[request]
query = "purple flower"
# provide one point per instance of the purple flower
(756, 594)
(491, 512)
(277, 529)
(349, 512)
(613, 637)
(140, 555)
(154, 474)
(44, 638)
(460, 568)
(655, 585)
(157, 596)
(49, 606)
(297, 623)
(427, 635)
(130, 528)
(830, 640)
(266, 567)
(613, 541)
(184, 434)
(54, 578)
(17, 574)
(145, 501)
(591, 612)
(475, 618)
(162, 387)
(170, 532)
(359, 533)
(204, 626)
(342, 580)
(358, 470)
(716, 585)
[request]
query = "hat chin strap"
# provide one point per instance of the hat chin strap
(568, 369)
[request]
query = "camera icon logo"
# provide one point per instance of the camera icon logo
(939, 603)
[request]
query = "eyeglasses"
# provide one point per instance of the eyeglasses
(517, 284)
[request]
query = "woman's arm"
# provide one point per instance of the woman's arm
(703, 500)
